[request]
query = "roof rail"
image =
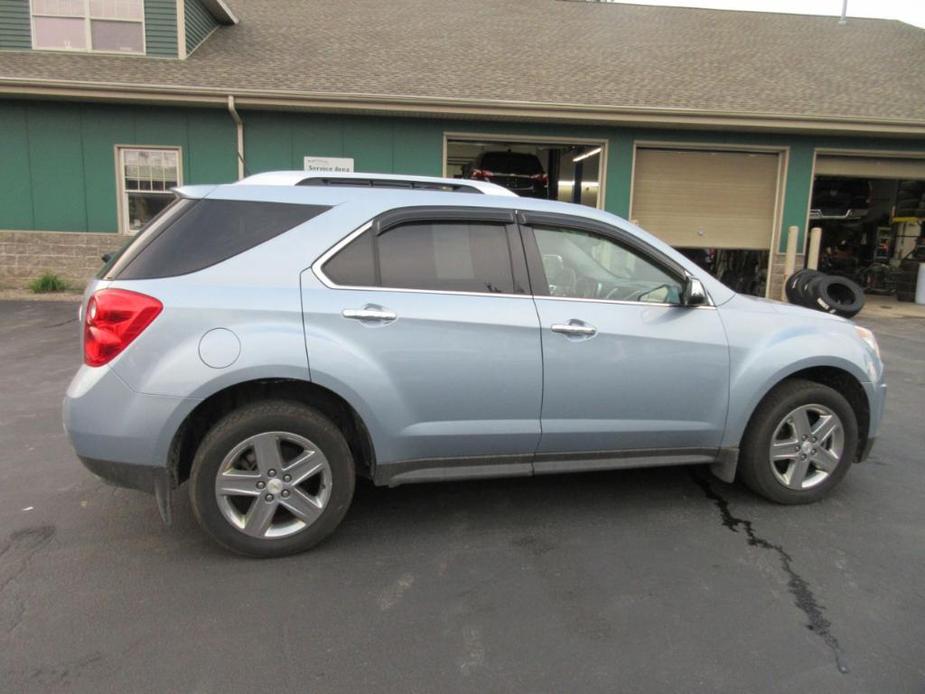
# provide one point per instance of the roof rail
(372, 180)
(388, 183)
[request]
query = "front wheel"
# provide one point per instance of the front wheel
(272, 478)
(799, 444)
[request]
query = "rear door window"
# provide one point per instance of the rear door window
(450, 256)
(458, 256)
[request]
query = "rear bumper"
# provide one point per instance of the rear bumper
(153, 479)
(106, 420)
(144, 478)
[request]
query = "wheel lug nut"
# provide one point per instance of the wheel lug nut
(261, 484)
(796, 448)
(285, 492)
(269, 497)
(287, 478)
(271, 473)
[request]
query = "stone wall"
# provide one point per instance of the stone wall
(776, 288)
(73, 256)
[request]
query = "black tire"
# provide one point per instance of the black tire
(795, 284)
(804, 287)
(257, 418)
(754, 459)
(838, 295)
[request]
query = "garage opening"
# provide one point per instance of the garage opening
(717, 207)
(565, 171)
(870, 211)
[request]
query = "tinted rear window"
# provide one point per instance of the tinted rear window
(199, 234)
(512, 163)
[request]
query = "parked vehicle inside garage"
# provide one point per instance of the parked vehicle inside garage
(271, 340)
(518, 172)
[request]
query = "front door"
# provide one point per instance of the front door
(629, 373)
(427, 326)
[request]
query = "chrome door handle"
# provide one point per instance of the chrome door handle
(573, 329)
(369, 314)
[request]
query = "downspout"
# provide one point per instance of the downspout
(239, 128)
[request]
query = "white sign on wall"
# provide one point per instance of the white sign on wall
(329, 164)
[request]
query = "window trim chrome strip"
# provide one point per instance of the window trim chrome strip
(317, 269)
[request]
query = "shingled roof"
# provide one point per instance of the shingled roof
(597, 62)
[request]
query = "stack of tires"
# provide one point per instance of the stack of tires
(829, 293)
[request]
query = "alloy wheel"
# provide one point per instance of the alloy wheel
(806, 447)
(273, 485)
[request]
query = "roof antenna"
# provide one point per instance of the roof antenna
(844, 12)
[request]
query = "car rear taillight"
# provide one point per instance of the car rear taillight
(541, 177)
(481, 174)
(113, 319)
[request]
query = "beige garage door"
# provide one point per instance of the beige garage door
(870, 167)
(697, 199)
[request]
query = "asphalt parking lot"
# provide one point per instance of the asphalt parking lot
(637, 581)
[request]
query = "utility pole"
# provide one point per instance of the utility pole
(844, 12)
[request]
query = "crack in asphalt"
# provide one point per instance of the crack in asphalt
(26, 542)
(797, 585)
(58, 325)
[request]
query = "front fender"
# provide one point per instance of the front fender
(769, 346)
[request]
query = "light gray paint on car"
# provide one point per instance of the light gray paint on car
(478, 378)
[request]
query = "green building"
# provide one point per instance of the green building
(716, 130)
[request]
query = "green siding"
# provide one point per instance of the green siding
(55, 153)
(161, 28)
(619, 174)
(58, 159)
(16, 208)
(15, 27)
(199, 24)
(797, 190)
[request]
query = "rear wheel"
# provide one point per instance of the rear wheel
(272, 478)
(800, 443)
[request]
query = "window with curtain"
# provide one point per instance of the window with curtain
(109, 26)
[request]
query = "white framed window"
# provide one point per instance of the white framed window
(145, 177)
(105, 26)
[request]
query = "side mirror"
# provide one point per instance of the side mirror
(694, 293)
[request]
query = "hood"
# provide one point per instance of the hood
(757, 304)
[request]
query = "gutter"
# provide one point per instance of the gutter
(462, 108)
(239, 130)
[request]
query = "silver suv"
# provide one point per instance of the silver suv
(270, 340)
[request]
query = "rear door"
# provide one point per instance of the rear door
(426, 324)
(629, 373)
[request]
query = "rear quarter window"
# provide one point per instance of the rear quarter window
(203, 233)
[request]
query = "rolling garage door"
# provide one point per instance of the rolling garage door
(870, 167)
(698, 199)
